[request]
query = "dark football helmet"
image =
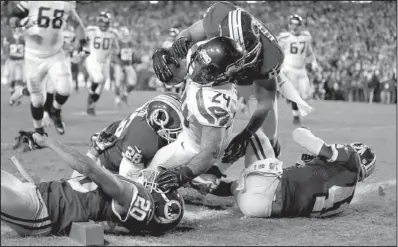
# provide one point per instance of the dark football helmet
(242, 27)
(164, 115)
(295, 23)
(169, 205)
(368, 159)
(216, 61)
(104, 20)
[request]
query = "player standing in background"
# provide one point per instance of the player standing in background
(14, 74)
(45, 61)
(125, 74)
(103, 41)
(296, 45)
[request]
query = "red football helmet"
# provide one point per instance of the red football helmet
(242, 27)
(169, 205)
(164, 115)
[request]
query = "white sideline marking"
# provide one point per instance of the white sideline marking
(367, 188)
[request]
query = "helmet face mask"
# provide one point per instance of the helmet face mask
(295, 23)
(104, 21)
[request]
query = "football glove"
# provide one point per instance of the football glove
(237, 147)
(103, 141)
(181, 46)
(161, 58)
(26, 141)
(173, 179)
(205, 183)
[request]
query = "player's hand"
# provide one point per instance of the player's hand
(173, 179)
(104, 141)
(161, 58)
(181, 46)
(237, 147)
(29, 140)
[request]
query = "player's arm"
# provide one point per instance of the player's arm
(20, 11)
(84, 165)
(80, 31)
(195, 32)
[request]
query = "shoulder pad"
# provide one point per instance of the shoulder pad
(283, 35)
(91, 28)
(306, 33)
(212, 108)
(214, 15)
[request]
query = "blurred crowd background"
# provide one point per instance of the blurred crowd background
(355, 42)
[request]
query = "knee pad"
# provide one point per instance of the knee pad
(37, 99)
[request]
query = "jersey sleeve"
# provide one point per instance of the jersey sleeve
(213, 17)
(213, 108)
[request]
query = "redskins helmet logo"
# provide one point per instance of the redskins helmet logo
(160, 120)
(172, 210)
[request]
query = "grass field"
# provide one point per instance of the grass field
(370, 220)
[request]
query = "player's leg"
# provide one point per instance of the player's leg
(97, 78)
(131, 79)
(118, 77)
(75, 73)
(17, 77)
(36, 71)
(22, 207)
(270, 128)
(61, 77)
(293, 77)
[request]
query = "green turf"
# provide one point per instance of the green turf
(370, 220)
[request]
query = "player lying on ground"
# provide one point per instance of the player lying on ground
(260, 67)
(321, 184)
(51, 207)
(151, 127)
(209, 108)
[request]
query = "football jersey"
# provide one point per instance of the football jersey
(272, 55)
(15, 47)
(126, 53)
(207, 106)
(296, 48)
(101, 43)
(137, 142)
(320, 188)
(80, 200)
(45, 37)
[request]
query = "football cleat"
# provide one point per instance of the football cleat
(59, 125)
(91, 111)
(296, 120)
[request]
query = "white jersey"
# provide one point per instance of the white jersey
(207, 106)
(101, 43)
(297, 48)
(47, 20)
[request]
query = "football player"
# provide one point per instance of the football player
(103, 41)
(297, 47)
(151, 127)
(125, 74)
(209, 108)
(51, 207)
(45, 61)
(262, 62)
(321, 184)
(14, 74)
